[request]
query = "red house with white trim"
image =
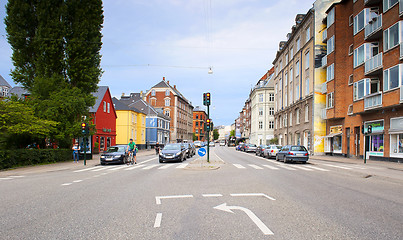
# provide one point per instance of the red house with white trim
(104, 118)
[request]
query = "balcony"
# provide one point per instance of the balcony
(324, 36)
(373, 101)
(373, 30)
(371, 2)
(324, 61)
(374, 64)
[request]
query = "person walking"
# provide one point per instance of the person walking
(157, 148)
(133, 149)
(76, 148)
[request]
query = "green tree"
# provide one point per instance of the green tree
(215, 134)
(56, 53)
(232, 133)
(19, 126)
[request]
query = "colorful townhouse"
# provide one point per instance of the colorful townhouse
(199, 121)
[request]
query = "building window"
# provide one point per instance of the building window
(271, 111)
(260, 111)
(285, 98)
(167, 92)
(285, 120)
(307, 60)
(387, 4)
(197, 131)
(132, 118)
(167, 102)
(308, 34)
(291, 99)
(296, 92)
(329, 100)
(330, 18)
(286, 58)
(281, 65)
(365, 52)
(297, 115)
(166, 112)
(290, 118)
(361, 20)
(271, 97)
(297, 69)
(109, 107)
(280, 121)
(104, 106)
(260, 97)
(276, 88)
(260, 125)
(271, 124)
(392, 77)
(298, 43)
(153, 92)
(291, 75)
(306, 113)
(330, 45)
(285, 79)
(306, 86)
(330, 72)
(391, 37)
(291, 52)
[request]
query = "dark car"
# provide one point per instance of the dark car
(173, 152)
(293, 153)
(190, 150)
(114, 154)
(239, 146)
(260, 150)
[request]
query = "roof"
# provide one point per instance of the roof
(120, 105)
(165, 84)
(20, 92)
(99, 95)
(3, 82)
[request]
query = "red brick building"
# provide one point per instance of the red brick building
(364, 85)
(199, 121)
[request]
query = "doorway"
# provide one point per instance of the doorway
(348, 141)
(357, 141)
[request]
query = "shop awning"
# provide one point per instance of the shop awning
(332, 135)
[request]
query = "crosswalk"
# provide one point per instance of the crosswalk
(132, 167)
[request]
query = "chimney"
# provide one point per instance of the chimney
(168, 82)
(141, 94)
(299, 18)
(281, 45)
(163, 78)
(175, 87)
(123, 94)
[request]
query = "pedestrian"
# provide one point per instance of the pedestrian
(157, 148)
(76, 148)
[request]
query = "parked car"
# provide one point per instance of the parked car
(198, 144)
(173, 152)
(212, 144)
(190, 150)
(222, 143)
(260, 150)
(239, 146)
(293, 153)
(114, 154)
(271, 151)
(250, 148)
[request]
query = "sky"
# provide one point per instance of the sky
(146, 40)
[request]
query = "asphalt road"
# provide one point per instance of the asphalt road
(247, 197)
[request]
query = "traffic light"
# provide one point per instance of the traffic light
(84, 128)
(204, 99)
(208, 99)
(208, 122)
(369, 128)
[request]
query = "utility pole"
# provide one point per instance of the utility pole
(207, 102)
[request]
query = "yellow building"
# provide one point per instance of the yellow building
(130, 123)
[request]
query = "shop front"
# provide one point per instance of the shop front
(374, 138)
(396, 137)
(333, 141)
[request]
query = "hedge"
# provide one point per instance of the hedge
(26, 157)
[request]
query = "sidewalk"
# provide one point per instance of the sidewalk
(60, 166)
(390, 165)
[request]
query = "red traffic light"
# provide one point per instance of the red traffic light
(83, 125)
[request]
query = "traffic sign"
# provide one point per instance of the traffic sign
(202, 152)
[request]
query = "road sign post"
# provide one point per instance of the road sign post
(207, 102)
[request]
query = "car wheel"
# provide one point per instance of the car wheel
(102, 163)
(285, 159)
(160, 160)
(277, 158)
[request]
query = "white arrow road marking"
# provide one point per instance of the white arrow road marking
(251, 215)
(158, 198)
(252, 195)
(158, 219)
(239, 166)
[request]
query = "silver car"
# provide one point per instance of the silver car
(293, 153)
(271, 151)
(250, 148)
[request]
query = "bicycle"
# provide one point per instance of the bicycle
(130, 158)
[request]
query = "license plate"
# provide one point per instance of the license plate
(301, 154)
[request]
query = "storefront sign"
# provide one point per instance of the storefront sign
(106, 130)
(336, 129)
(377, 126)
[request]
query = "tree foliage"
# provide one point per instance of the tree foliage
(56, 53)
(215, 134)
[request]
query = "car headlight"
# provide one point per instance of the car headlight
(179, 153)
(161, 154)
(116, 157)
(102, 156)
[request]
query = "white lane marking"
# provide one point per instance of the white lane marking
(183, 165)
(251, 215)
(103, 168)
(330, 165)
(318, 168)
(77, 181)
(96, 176)
(351, 166)
(116, 168)
(303, 168)
(148, 160)
(239, 166)
(133, 167)
(16, 176)
(66, 184)
(212, 195)
(151, 166)
(158, 198)
(251, 195)
(88, 169)
(6, 178)
(166, 166)
(218, 157)
(286, 167)
(270, 167)
(158, 219)
(255, 166)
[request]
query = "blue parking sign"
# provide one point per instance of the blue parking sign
(202, 152)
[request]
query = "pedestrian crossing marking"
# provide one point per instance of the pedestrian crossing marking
(149, 167)
(133, 167)
(303, 168)
(88, 169)
(318, 168)
(330, 165)
(239, 166)
(182, 165)
(255, 166)
(102, 168)
(116, 168)
(166, 166)
(270, 167)
(286, 167)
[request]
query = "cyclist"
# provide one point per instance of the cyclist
(131, 148)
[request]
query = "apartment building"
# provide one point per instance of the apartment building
(262, 110)
(245, 120)
(293, 80)
(364, 78)
(199, 121)
(174, 105)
